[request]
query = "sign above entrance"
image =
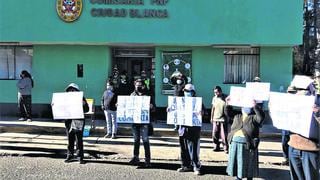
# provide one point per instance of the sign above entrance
(111, 11)
(69, 10)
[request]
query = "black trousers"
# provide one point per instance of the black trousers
(184, 152)
(74, 136)
(25, 106)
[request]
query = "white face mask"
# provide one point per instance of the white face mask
(110, 88)
(179, 81)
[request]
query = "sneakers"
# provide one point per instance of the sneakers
(147, 165)
(185, 169)
(21, 119)
(68, 159)
(197, 172)
(81, 161)
(29, 120)
(107, 136)
(113, 136)
(285, 162)
(134, 161)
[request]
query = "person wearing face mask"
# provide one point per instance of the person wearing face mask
(189, 139)
(244, 141)
(74, 130)
(25, 85)
(141, 129)
(178, 80)
(108, 105)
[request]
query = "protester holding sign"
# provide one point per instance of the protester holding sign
(244, 141)
(304, 151)
(189, 138)
(140, 129)
(74, 129)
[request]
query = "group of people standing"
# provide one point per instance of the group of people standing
(237, 132)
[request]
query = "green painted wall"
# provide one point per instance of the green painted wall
(208, 67)
(54, 67)
(190, 22)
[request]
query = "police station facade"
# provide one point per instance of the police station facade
(213, 42)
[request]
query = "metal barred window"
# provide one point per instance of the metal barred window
(241, 65)
(14, 59)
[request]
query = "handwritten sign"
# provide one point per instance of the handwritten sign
(184, 111)
(259, 90)
(291, 112)
(133, 109)
(67, 105)
(241, 97)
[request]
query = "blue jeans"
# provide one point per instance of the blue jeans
(111, 117)
(303, 164)
(137, 131)
(285, 139)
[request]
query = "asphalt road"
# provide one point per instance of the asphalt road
(20, 167)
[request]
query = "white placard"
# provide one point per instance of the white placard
(67, 105)
(133, 109)
(300, 81)
(261, 91)
(241, 97)
(291, 112)
(184, 111)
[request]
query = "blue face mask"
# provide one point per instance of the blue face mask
(246, 110)
(188, 94)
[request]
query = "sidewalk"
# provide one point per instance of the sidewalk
(46, 138)
(49, 126)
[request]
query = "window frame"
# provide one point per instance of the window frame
(15, 70)
(237, 54)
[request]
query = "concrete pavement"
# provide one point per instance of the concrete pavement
(46, 138)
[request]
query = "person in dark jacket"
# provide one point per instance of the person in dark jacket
(141, 129)
(25, 85)
(74, 130)
(244, 141)
(189, 139)
(108, 105)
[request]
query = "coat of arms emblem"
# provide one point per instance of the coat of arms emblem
(69, 10)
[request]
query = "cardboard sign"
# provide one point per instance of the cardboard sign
(291, 112)
(184, 111)
(133, 109)
(300, 81)
(241, 97)
(67, 105)
(260, 91)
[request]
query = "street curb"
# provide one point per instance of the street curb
(100, 131)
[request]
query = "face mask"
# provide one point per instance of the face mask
(187, 94)
(246, 110)
(179, 81)
(139, 89)
(110, 88)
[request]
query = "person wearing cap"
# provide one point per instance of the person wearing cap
(74, 129)
(141, 130)
(256, 79)
(244, 140)
(219, 120)
(108, 105)
(189, 139)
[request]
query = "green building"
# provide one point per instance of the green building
(213, 42)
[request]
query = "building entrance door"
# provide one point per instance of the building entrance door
(130, 62)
